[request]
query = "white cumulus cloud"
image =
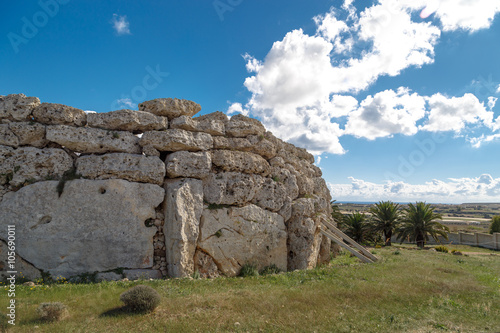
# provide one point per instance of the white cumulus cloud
(121, 24)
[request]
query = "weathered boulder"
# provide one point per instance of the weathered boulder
(205, 265)
(29, 133)
(127, 120)
(227, 160)
(170, 107)
(95, 225)
(176, 140)
(150, 151)
(214, 116)
(288, 179)
(58, 114)
(230, 188)
(188, 164)
(136, 168)
(7, 137)
(183, 208)
(242, 126)
(142, 274)
(262, 146)
(241, 144)
(271, 195)
(286, 209)
(239, 235)
(108, 276)
(17, 107)
(93, 140)
(29, 164)
(23, 268)
(213, 127)
(324, 256)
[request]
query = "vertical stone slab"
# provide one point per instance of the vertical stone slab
(183, 209)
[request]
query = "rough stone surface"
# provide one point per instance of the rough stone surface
(262, 146)
(227, 160)
(95, 225)
(137, 168)
(108, 276)
(127, 120)
(29, 133)
(216, 116)
(241, 144)
(7, 137)
(324, 250)
(183, 208)
(93, 140)
(240, 235)
(242, 126)
(170, 107)
(230, 188)
(17, 107)
(58, 114)
(142, 274)
(150, 151)
(28, 164)
(177, 140)
(205, 265)
(188, 164)
(23, 268)
(213, 127)
(288, 179)
(271, 195)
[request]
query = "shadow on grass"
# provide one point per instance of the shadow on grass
(122, 312)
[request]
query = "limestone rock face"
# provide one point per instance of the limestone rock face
(214, 116)
(188, 164)
(17, 107)
(137, 168)
(213, 127)
(271, 195)
(142, 274)
(32, 164)
(324, 250)
(95, 225)
(7, 137)
(183, 208)
(205, 265)
(127, 120)
(58, 114)
(93, 140)
(241, 126)
(239, 235)
(239, 161)
(170, 107)
(29, 133)
(27, 270)
(230, 188)
(176, 140)
(262, 146)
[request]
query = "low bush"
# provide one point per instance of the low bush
(52, 311)
(271, 269)
(141, 298)
(441, 248)
(249, 270)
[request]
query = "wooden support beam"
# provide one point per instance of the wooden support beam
(345, 246)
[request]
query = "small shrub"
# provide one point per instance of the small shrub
(271, 269)
(441, 248)
(196, 275)
(141, 298)
(52, 311)
(218, 234)
(397, 252)
(249, 270)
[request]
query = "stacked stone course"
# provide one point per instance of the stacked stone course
(154, 192)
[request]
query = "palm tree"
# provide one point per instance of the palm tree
(385, 217)
(336, 214)
(419, 222)
(355, 226)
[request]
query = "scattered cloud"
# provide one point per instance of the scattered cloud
(121, 24)
(498, 89)
(237, 108)
(125, 102)
(453, 190)
(306, 83)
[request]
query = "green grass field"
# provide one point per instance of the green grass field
(408, 290)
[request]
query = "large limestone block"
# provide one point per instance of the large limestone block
(241, 144)
(324, 255)
(304, 240)
(271, 195)
(127, 120)
(288, 179)
(7, 137)
(306, 185)
(136, 168)
(213, 127)
(29, 133)
(177, 140)
(230, 188)
(239, 235)
(205, 265)
(32, 164)
(93, 140)
(251, 163)
(23, 268)
(215, 116)
(170, 107)
(253, 143)
(262, 146)
(188, 164)
(95, 225)
(58, 114)
(183, 209)
(242, 126)
(17, 107)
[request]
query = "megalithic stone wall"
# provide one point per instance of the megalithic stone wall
(154, 192)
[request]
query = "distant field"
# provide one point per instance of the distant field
(408, 290)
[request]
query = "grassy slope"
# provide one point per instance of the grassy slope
(414, 291)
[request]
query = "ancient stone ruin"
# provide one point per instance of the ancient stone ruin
(154, 193)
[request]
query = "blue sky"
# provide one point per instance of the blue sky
(397, 99)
